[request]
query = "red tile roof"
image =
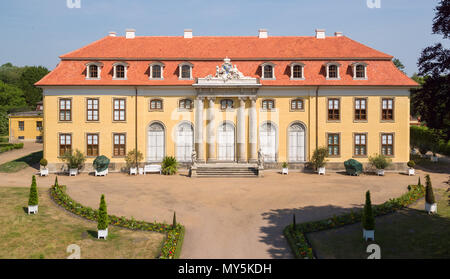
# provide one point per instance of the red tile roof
(205, 53)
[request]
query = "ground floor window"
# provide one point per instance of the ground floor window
(333, 145)
(268, 141)
(92, 145)
(155, 142)
(296, 137)
(225, 142)
(119, 144)
(387, 144)
(184, 142)
(360, 144)
(65, 144)
(21, 125)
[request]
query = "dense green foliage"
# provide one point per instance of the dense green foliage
(33, 199)
(368, 220)
(411, 164)
(133, 158)
(74, 161)
(101, 163)
(102, 221)
(10, 146)
(399, 64)
(43, 162)
(21, 163)
(318, 157)
(29, 77)
(426, 139)
(169, 165)
(353, 167)
(380, 161)
(429, 195)
(174, 221)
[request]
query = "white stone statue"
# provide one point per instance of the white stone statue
(194, 158)
(260, 158)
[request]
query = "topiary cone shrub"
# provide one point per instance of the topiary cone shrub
(174, 222)
(33, 199)
(429, 195)
(102, 215)
(56, 181)
(368, 221)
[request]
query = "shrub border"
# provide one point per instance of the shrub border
(172, 245)
(302, 248)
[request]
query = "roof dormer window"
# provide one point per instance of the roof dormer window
(333, 70)
(185, 70)
(297, 70)
(268, 70)
(93, 70)
(120, 70)
(156, 70)
(359, 70)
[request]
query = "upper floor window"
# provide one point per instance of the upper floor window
(226, 104)
(156, 104)
(185, 104)
(119, 110)
(333, 109)
(185, 70)
(65, 109)
(297, 70)
(268, 104)
(359, 70)
(387, 109)
(333, 70)
(156, 70)
(268, 70)
(92, 109)
(120, 70)
(361, 109)
(93, 70)
(297, 104)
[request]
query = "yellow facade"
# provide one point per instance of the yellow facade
(29, 131)
(313, 117)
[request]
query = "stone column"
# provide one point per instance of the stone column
(241, 148)
(199, 146)
(211, 131)
(253, 131)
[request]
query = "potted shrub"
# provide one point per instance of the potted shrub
(380, 162)
(353, 167)
(74, 161)
(102, 220)
(430, 202)
(411, 165)
(318, 159)
(33, 200)
(368, 220)
(169, 165)
(43, 171)
(132, 160)
(285, 168)
(101, 164)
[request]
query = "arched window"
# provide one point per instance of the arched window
(226, 104)
(268, 70)
(156, 105)
(93, 70)
(156, 70)
(333, 70)
(185, 70)
(226, 142)
(184, 142)
(359, 70)
(296, 138)
(268, 141)
(120, 70)
(185, 104)
(268, 104)
(155, 143)
(297, 70)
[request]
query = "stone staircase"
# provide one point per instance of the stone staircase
(226, 170)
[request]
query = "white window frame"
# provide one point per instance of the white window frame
(263, 65)
(292, 65)
(354, 65)
(99, 69)
(125, 66)
(338, 66)
(180, 66)
(162, 70)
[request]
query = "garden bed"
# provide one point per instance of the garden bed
(4, 147)
(21, 163)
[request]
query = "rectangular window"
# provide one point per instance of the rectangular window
(268, 104)
(21, 126)
(65, 144)
(360, 145)
(387, 109)
(333, 109)
(119, 110)
(333, 145)
(360, 109)
(65, 109)
(119, 144)
(92, 110)
(156, 104)
(38, 125)
(92, 145)
(387, 144)
(297, 104)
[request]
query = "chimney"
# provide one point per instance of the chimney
(338, 34)
(320, 33)
(130, 33)
(188, 33)
(263, 34)
(112, 34)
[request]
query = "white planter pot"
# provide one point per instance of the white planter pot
(380, 172)
(411, 171)
(431, 207)
(73, 172)
(141, 171)
(133, 171)
(102, 234)
(285, 171)
(33, 209)
(321, 171)
(43, 172)
(368, 234)
(434, 159)
(101, 173)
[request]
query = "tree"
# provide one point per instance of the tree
(11, 97)
(4, 126)
(34, 198)
(399, 64)
(29, 77)
(10, 74)
(429, 195)
(368, 220)
(102, 221)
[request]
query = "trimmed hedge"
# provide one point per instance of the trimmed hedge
(171, 248)
(302, 249)
(4, 147)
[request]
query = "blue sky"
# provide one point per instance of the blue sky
(36, 32)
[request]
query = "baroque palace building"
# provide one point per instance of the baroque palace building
(226, 98)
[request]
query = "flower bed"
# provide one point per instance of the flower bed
(297, 237)
(171, 248)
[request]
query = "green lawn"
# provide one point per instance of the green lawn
(21, 163)
(409, 233)
(47, 234)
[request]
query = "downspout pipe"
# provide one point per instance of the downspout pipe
(136, 125)
(317, 117)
